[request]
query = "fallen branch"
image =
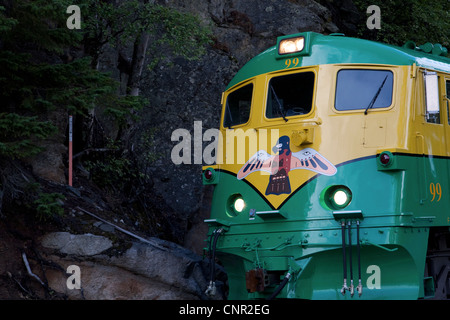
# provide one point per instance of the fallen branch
(152, 243)
(27, 265)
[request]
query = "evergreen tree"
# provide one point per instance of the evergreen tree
(38, 73)
(36, 77)
(417, 20)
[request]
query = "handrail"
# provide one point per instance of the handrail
(367, 242)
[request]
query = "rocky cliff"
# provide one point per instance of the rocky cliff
(182, 92)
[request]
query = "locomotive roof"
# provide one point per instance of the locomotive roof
(338, 49)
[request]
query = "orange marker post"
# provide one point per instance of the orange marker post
(70, 150)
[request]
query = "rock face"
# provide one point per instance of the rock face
(189, 91)
(160, 271)
(183, 92)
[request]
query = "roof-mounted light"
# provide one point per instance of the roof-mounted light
(291, 45)
(294, 45)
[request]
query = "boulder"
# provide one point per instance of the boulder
(83, 245)
(156, 269)
(109, 282)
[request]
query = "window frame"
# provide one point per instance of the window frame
(270, 76)
(437, 95)
(370, 68)
(225, 100)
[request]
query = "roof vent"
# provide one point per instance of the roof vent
(434, 49)
(439, 50)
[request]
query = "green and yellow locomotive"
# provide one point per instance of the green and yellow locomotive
(332, 172)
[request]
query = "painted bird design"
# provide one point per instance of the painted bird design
(284, 160)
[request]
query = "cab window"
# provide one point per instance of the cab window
(363, 89)
(290, 95)
(431, 88)
(238, 105)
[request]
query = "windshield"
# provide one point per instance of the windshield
(237, 108)
(356, 89)
(290, 95)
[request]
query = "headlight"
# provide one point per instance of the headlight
(239, 205)
(235, 205)
(340, 197)
(291, 45)
(336, 197)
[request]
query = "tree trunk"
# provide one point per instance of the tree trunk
(137, 63)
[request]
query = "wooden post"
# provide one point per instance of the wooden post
(70, 150)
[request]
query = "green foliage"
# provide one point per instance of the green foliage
(122, 172)
(121, 24)
(111, 170)
(6, 24)
(171, 31)
(44, 87)
(46, 67)
(16, 133)
(40, 23)
(49, 205)
(417, 20)
(34, 80)
(147, 151)
(122, 108)
(109, 22)
(182, 33)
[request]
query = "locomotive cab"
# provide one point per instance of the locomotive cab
(331, 164)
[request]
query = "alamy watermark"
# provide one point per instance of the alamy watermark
(211, 146)
(374, 21)
(374, 280)
(74, 281)
(74, 20)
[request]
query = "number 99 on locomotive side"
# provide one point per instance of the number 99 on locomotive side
(332, 172)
